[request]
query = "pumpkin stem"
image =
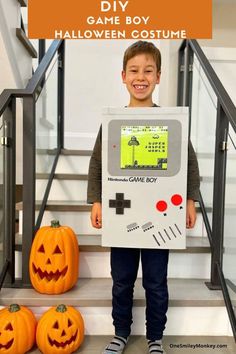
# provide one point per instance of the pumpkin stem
(55, 223)
(61, 308)
(14, 308)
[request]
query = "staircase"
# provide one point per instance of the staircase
(193, 308)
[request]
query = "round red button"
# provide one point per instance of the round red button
(161, 205)
(176, 199)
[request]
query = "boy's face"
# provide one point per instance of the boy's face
(141, 78)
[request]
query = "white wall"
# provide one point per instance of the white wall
(93, 80)
(17, 57)
(168, 88)
(7, 79)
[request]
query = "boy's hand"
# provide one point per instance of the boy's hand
(96, 215)
(191, 214)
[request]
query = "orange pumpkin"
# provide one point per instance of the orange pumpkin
(54, 259)
(60, 330)
(17, 329)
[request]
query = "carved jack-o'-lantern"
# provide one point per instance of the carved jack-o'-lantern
(17, 329)
(60, 330)
(54, 259)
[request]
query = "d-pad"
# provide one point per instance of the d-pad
(119, 203)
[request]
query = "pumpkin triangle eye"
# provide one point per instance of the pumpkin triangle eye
(41, 249)
(57, 250)
(56, 325)
(69, 323)
(9, 327)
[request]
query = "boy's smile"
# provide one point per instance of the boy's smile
(141, 78)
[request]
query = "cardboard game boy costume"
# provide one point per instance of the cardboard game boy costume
(144, 177)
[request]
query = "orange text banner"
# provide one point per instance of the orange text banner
(120, 19)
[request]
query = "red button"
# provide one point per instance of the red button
(176, 199)
(161, 205)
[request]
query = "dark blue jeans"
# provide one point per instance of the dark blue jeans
(124, 268)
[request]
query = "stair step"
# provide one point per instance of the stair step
(21, 35)
(96, 292)
(63, 176)
(61, 205)
(71, 152)
(92, 243)
(209, 155)
(172, 344)
(208, 179)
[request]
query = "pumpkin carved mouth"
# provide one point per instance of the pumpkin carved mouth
(62, 344)
(50, 275)
(8, 345)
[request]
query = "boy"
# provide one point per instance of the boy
(141, 73)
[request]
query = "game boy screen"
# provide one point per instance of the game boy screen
(144, 147)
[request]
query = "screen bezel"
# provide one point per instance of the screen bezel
(174, 147)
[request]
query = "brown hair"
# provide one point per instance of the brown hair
(142, 47)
